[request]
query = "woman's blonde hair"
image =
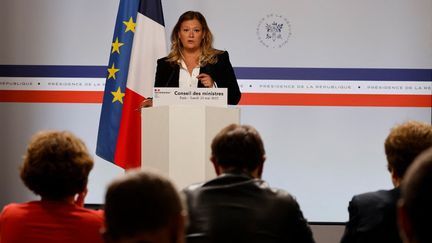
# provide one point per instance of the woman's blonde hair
(208, 53)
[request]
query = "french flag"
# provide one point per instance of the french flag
(138, 41)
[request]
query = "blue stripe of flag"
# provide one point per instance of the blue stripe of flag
(153, 10)
(111, 113)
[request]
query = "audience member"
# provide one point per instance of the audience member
(237, 206)
(56, 167)
(372, 216)
(415, 204)
(143, 206)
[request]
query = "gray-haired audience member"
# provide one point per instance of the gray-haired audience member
(415, 204)
(372, 216)
(143, 206)
(237, 206)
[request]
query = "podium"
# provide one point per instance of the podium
(176, 140)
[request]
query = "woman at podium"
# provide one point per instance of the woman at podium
(193, 62)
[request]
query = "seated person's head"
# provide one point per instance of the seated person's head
(238, 147)
(403, 144)
(143, 206)
(56, 165)
(415, 205)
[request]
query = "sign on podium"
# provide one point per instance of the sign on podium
(176, 137)
(198, 96)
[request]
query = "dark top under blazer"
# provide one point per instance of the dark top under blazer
(372, 218)
(167, 75)
(235, 207)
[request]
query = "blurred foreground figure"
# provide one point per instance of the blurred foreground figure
(143, 206)
(415, 205)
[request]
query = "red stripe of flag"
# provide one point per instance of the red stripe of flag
(128, 155)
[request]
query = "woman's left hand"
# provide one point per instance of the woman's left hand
(146, 103)
(206, 80)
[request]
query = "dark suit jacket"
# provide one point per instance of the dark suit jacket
(237, 208)
(372, 218)
(222, 73)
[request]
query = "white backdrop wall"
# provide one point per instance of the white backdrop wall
(322, 155)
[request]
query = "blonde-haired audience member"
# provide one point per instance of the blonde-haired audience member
(372, 215)
(56, 167)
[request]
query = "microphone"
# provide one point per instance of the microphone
(167, 84)
(205, 69)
